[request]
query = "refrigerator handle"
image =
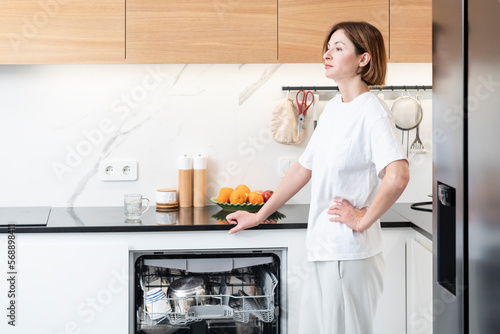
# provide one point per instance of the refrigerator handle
(446, 237)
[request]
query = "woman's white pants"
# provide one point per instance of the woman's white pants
(340, 297)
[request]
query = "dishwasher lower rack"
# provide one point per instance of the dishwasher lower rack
(240, 294)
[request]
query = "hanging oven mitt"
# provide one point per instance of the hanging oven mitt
(284, 122)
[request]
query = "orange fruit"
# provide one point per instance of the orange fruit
(258, 192)
(238, 197)
(255, 198)
(224, 194)
(243, 188)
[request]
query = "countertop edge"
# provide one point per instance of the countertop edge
(140, 229)
(399, 216)
(180, 228)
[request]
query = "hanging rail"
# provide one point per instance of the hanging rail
(376, 88)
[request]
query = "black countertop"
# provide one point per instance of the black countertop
(209, 218)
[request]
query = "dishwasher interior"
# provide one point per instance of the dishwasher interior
(207, 292)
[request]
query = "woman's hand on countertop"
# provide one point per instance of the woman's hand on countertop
(346, 213)
(242, 219)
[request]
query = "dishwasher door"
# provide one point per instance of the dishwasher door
(235, 292)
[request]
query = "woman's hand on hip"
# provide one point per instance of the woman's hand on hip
(346, 214)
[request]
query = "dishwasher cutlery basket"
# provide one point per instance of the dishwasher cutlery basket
(240, 289)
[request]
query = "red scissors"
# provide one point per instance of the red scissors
(303, 102)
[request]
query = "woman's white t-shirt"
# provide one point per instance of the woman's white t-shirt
(348, 153)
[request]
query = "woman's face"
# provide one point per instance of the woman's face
(341, 60)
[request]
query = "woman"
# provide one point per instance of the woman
(358, 170)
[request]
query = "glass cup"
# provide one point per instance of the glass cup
(133, 206)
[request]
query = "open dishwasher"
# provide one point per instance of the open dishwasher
(207, 292)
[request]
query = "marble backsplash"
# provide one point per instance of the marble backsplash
(58, 122)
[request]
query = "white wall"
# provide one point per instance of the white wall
(59, 121)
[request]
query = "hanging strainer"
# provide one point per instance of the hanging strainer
(407, 112)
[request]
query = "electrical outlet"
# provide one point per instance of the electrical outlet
(118, 170)
(284, 164)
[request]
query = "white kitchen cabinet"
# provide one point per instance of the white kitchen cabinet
(419, 286)
(80, 283)
(68, 284)
(391, 311)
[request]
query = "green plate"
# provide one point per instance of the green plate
(236, 207)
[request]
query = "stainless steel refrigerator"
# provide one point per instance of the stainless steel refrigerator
(466, 166)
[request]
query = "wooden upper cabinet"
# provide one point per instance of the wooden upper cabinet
(62, 32)
(303, 25)
(411, 31)
(198, 31)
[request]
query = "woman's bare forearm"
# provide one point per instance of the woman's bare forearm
(295, 179)
(392, 186)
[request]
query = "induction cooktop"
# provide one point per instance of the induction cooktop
(24, 216)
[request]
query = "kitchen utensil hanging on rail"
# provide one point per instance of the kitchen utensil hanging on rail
(303, 102)
(407, 114)
(315, 110)
(417, 147)
(284, 122)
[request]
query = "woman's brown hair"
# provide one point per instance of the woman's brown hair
(366, 38)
